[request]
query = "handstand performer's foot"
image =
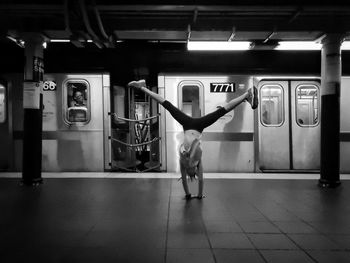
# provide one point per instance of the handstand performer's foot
(253, 97)
(137, 84)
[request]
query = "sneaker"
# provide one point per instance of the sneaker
(253, 97)
(137, 84)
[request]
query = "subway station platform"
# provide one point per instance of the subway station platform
(116, 217)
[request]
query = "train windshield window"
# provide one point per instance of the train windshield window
(76, 99)
(271, 106)
(307, 105)
(2, 104)
(190, 96)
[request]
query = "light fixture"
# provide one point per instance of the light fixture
(298, 45)
(306, 45)
(60, 40)
(19, 42)
(218, 45)
(345, 45)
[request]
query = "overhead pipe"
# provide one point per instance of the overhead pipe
(195, 15)
(188, 32)
(270, 35)
(18, 42)
(295, 15)
(95, 38)
(99, 21)
(320, 38)
(109, 40)
(66, 18)
(233, 33)
(74, 40)
(290, 20)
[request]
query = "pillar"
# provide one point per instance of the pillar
(32, 104)
(330, 110)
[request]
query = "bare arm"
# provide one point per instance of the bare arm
(200, 179)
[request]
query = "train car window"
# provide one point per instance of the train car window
(77, 102)
(271, 106)
(2, 104)
(190, 99)
(307, 105)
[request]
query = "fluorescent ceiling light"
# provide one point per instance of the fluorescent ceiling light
(345, 45)
(67, 40)
(60, 40)
(218, 45)
(298, 45)
(306, 45)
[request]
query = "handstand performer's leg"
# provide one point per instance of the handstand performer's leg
(235, 102)
(251, 96)
(178, 115)
(141, 85)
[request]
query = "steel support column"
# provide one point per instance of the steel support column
(330, 110)
(32, 104)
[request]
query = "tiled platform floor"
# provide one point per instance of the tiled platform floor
(146, 220)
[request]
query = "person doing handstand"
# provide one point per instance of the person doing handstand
(190, 150)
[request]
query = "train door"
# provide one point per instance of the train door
(345, 125)
(289, 130)
(5, 128)
(135, 131)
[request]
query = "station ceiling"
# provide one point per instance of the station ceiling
(106, 22)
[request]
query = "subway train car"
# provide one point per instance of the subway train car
(75, 119)
(91, 125)
(283, 134)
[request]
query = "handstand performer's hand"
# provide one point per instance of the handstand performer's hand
(137, 84)
(188, 197)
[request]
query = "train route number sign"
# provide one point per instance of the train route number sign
(49, 85)
(222, 87)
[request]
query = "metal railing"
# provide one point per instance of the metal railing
(139, 141)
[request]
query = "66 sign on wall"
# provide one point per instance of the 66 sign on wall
(49, 85)
(222, 87)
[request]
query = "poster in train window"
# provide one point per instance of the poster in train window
(77, 101)
(271, 106)
(307, 105)
(2, 104)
